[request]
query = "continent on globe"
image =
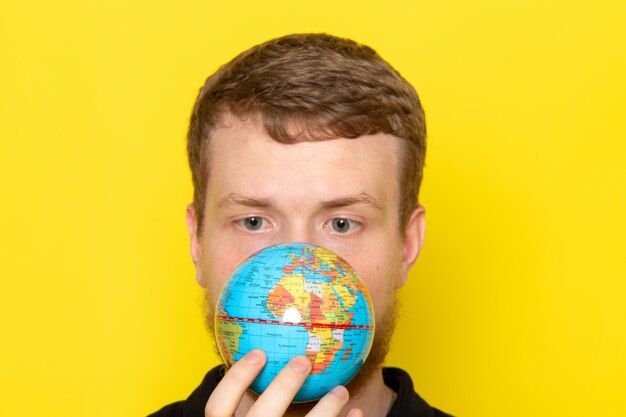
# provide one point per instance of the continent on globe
(228, 341)
(317, 303)
(297, 299)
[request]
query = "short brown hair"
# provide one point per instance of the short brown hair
(307, 87)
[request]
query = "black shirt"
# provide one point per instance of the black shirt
(407, 403)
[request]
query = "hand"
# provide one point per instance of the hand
(278, 395)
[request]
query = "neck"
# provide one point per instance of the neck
(374, 399)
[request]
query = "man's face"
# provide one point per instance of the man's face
(342, 194)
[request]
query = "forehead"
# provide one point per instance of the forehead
(243, 158)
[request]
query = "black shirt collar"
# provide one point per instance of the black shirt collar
(407, 403)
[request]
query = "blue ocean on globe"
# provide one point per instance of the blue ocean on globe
(297, 299)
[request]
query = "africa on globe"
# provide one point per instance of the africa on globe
(297, 299)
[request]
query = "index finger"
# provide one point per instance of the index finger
(229, 392)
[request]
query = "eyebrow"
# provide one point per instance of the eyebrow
(363, 199)
(235, 199)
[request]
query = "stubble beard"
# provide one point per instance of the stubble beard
(386, 322)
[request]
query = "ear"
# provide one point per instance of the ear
(194, 246)
(413, 240)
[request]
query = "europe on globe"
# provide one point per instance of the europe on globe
(297, 299)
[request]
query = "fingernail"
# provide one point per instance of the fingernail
(254, 356)
(341, 392)
(355, 412)
(300, 363)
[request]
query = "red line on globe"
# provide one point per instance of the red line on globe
(307, 325)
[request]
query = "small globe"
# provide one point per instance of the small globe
(297, 299)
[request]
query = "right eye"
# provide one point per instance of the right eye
(252, 223)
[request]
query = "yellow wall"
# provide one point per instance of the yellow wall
(517, 306)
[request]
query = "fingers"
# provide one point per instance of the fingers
(228, 393)
(279, 394)
(276, 399)
(331, 403)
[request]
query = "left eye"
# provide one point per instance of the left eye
(342, 225)
(252, 223)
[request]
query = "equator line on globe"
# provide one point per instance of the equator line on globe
(297, 299)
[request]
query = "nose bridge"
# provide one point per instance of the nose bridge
(297, 228)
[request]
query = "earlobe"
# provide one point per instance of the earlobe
(413, 241)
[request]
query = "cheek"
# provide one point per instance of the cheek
(215, 275)
(380, 272)
(377, 279)
(217, 264)
(220, 257)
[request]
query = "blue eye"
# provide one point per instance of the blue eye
(252, 223)
(341, 225)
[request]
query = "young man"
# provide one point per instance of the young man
(307, 138)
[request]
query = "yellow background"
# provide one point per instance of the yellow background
(517, 306)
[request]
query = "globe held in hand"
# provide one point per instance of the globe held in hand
(297, 299)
